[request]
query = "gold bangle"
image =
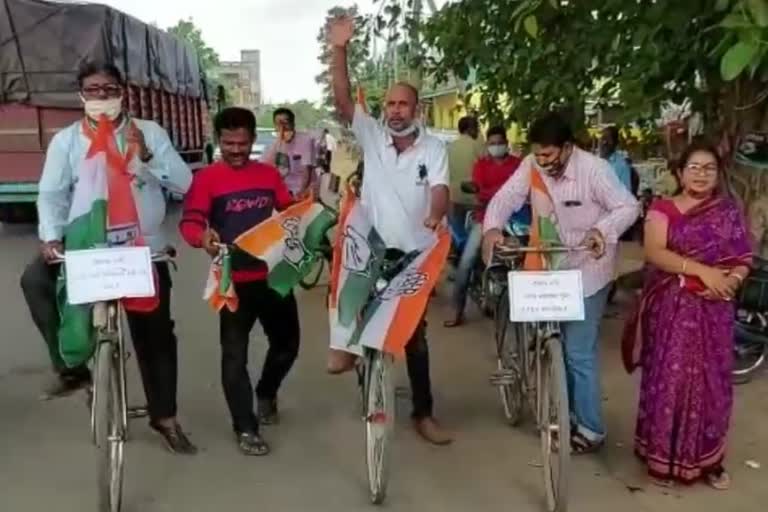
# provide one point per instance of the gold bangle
(685, 265)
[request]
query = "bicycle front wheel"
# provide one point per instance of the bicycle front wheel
(108, 407)
(555, 426)
(509, 378)
(379, 422)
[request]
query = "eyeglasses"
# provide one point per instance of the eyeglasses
(702, 170)
(109, 90)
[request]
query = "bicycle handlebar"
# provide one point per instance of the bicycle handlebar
(511, 249)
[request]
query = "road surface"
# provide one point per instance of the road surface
(47, 463)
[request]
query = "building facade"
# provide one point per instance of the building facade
(242, 79)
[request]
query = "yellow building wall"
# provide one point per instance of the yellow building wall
(448, 108)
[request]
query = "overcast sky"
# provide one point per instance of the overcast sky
(284, 30)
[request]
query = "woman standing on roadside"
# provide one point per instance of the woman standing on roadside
(698, 254)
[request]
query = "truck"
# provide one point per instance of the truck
(43, 44)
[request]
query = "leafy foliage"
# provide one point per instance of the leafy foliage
(186, 30)
(532, 55)
(308, 116)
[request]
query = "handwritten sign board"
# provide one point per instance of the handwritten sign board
(98, 275)
(546, 296)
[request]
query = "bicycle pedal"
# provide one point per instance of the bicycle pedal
(137, 412)
(504, 378)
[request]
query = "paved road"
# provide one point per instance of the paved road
(46, 462)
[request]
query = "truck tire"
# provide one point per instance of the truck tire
(23, 213)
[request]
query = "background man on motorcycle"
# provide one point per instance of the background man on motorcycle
(488, 175)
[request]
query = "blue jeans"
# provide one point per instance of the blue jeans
(457, 220)
(466, 263)
(583, 369)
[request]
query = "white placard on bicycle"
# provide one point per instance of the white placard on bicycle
(97, 275)
(556, 296)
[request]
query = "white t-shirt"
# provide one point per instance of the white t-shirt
(330, 142)
(397, 188)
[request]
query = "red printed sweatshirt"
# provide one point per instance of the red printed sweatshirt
(231, 201)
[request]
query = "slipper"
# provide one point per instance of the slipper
(456, 322)
(580, 445)
(720, 481)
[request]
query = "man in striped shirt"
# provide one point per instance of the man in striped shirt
(592, 208)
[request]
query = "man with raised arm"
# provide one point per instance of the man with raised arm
(405, 194)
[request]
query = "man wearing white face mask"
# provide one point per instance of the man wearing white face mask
(155, 166)
(405, 195)
(587, 206)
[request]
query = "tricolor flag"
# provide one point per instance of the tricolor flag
(219, 289)
(543, 225)
(102, 213)
(357, 256)
(362, 315)
(394, 314)
(288, 242)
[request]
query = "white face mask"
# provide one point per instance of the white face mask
(413, 128)
(498, 150)
(111, 108)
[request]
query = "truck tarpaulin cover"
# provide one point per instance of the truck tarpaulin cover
(43, 44)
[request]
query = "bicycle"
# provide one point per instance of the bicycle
(750, 348)
(108, 395)
(374, 377)
(531, 368)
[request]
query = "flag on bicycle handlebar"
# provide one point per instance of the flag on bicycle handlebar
(102, 213)
(361, 316)
(543, 225)
(289, 242)
(358, 252)
(394, 314)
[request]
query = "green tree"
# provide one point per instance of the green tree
(187, 31)
(308, 115)
(531, 55)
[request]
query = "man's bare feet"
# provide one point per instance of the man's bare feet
(340, 362)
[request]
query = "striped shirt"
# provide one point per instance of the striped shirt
(588, 196)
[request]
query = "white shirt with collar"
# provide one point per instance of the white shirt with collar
(64, 157)
(397, 187)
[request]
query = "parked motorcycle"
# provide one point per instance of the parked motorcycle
(484, 288)
(751, 341)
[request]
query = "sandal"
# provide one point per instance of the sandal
(660, 482)
(580, 445)
(456, 322)
(719, 480)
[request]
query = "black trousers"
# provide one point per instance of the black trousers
(417, 360)
(279, 318)
(154, 341)
(416, 351)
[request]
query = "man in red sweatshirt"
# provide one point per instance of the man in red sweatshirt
(225, 200)
(489, 175)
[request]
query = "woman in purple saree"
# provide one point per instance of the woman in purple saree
(698, 254)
